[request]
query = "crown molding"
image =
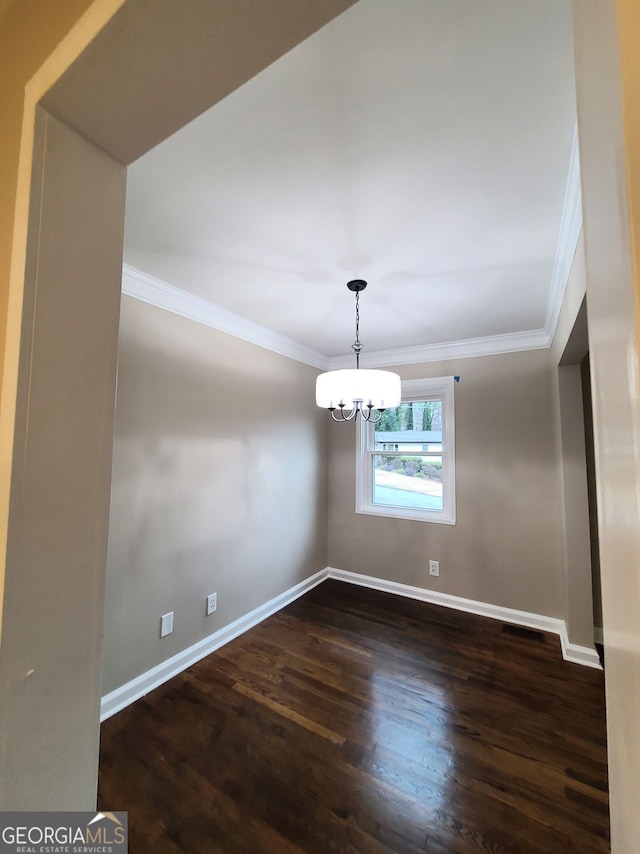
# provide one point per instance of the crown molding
(146, 288)
(570, 228)
(491, 345)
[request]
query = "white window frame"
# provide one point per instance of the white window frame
(438, 388)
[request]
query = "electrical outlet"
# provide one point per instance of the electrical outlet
(212, 603)
(166, 624)
(434, 567)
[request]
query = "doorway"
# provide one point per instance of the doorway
(596, 584)
(582, 595)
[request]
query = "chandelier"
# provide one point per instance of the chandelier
(354, 390)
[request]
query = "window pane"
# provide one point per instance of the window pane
(411, 481)
(415, 426)
(433, 446)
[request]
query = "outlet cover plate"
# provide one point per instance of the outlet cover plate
(434, 567)
(212, 603)
(166, 624)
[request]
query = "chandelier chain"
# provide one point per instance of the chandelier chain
(357, 346)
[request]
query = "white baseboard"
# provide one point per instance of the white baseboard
(584, 655)
(141, 685)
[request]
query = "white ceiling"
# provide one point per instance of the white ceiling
(423, 145)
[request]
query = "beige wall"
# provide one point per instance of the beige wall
(219, 484)
(609, 164)
(505, 548)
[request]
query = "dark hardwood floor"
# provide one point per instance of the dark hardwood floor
(358, 721)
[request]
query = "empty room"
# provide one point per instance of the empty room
(321, 394)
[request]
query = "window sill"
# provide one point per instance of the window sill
(440, 518)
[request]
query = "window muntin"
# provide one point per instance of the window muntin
(405, 464)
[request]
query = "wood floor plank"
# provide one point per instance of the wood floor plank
(290, 714)
(357, 721)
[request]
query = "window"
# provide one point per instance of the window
(405, 464)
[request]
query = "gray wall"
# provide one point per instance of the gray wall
(56, 551)
(219, 484)
(505, 548)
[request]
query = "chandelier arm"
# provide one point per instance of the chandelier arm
(342, 417)
(369, 417)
